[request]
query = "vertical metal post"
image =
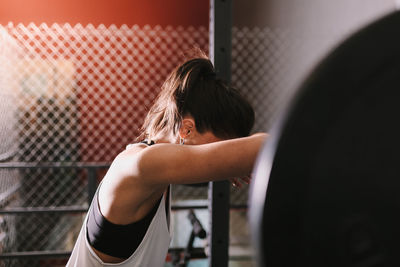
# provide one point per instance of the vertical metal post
(218, 193)
(92, 184)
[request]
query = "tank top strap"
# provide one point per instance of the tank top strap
(147, 142)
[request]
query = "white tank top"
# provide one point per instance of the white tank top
(151, 252)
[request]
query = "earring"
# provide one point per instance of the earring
(181, 141)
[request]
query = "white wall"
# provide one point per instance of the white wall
(317, 26)
(309, 28)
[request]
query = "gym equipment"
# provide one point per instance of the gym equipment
(326, 189)
(179, 260)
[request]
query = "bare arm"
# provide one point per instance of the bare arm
(175, 164)
(139, 175)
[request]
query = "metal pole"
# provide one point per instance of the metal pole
(218, 193)
(92, 184)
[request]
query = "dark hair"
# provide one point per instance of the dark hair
(193, 89)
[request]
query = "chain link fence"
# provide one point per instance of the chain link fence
(80, 94)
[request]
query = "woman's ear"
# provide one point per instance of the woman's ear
(187, 128)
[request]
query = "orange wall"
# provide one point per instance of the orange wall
(130, 12)
(118, 12)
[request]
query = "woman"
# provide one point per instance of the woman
(192, 124)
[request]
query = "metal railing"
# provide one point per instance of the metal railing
(91, 169)
(92, 176)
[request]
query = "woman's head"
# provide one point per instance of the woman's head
(192, 90)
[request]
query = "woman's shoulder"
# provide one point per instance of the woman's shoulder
(135, 145)
(141, 144)
(128, 156)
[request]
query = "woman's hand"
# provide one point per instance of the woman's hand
(238, 182)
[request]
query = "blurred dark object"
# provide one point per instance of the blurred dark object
(326, 186)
